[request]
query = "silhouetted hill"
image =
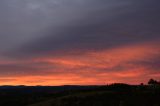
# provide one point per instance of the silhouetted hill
(23, 95)
(110, 95)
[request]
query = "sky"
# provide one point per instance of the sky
(79, 42)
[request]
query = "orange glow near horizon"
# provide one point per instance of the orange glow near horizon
(128, 64)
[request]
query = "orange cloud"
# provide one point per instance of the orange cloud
(129, 64)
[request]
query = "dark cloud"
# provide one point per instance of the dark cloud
(30, 68)
(149, 64)
(35, 27)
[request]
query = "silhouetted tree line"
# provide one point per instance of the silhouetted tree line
(153, 82)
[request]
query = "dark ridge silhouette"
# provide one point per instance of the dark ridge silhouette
(117, 94)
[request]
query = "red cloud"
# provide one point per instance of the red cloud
(125, 64)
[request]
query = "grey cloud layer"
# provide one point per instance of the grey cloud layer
(35, 26)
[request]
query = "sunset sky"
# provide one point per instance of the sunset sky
(79, 42)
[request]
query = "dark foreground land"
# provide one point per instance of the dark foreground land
(111, 95)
